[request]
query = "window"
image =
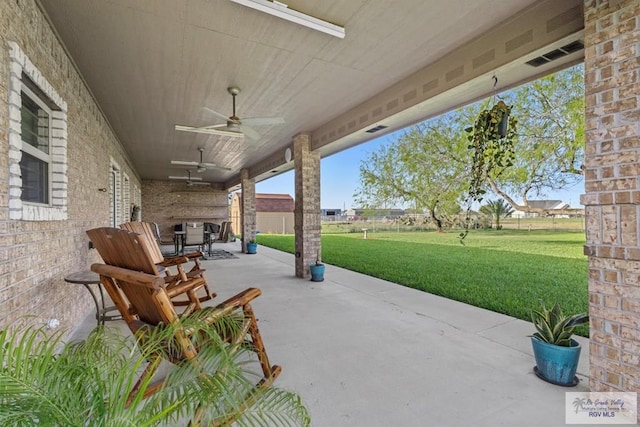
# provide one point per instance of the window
(37, 143)
(36, 156)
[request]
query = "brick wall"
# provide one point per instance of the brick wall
(36, 255)
(168, 203)
(612, 199)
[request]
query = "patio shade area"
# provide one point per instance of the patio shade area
(365, 352)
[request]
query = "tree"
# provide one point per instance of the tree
(429, 165)
(550, 144)
(425, 168)
(497, 209)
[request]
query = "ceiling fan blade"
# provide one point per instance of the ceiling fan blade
(221, 126)
(262, 121)
(250, 133)
(218, 115)
(186, 178)
(210, 131)
(183, 163)
(212, 166)
(201, 183)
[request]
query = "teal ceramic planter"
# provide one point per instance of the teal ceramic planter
(252, 248)
(317, 272)
(556, 364)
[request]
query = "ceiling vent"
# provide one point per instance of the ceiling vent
(557, 53)
(376, 129)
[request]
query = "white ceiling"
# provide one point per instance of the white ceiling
(152, 64)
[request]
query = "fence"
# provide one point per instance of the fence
(402, 225)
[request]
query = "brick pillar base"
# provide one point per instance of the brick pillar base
(307, 205)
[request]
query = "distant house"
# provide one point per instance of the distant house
(274, 213)
(541, 204)
(363, 214)
(331, 214)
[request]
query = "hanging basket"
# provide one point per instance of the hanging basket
(491, 138)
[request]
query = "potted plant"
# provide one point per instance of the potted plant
(135, 212)
(317, 270)
(555, 351)
(252, 246)
(491, 139)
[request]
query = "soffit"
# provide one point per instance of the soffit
(151, 64)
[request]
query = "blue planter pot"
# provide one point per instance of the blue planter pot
(317, 272)
(556, 364)
(252, 248)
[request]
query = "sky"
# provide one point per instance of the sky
(340, 176)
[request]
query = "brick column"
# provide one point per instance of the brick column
(307, 204)
(612, 199)
(247, 208)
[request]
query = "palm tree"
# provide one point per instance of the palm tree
(498, 209)
(45, 381)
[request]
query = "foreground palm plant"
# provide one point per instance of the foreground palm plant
(45, 381)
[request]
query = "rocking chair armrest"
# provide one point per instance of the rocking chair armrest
(210, 315)
(186, 286)
(196, 254)
(180, 259)
(241, 299)
(132, 276)
(173, 261)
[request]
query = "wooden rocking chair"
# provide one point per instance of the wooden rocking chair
(180, 276)
(141, 296)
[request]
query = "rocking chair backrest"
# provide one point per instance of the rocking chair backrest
(147, 230)
(126, 255)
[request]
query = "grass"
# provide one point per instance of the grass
(507, 271)
(523, 224)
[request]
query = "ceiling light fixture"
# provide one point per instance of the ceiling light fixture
(281, 10)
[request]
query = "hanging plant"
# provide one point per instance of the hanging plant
(491, 139)
(135, 212)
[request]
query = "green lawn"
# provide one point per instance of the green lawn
(507, 271)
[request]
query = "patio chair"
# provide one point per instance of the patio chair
(173, 279)
(158, 236)
(131, 280)
(194, 236)
(225, 234)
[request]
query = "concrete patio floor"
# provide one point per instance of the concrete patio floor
(365, 352)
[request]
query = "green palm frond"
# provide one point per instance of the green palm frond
(45, 381)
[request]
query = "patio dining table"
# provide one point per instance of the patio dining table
(180, 238)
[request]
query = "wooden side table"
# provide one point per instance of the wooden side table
(88, 278)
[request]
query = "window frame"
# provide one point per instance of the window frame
(34, 151)
(25, 72)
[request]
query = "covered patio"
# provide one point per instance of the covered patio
(111, 80)
(365, 352)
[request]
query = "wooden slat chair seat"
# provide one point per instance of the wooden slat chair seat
(173, 279)
(140, 294)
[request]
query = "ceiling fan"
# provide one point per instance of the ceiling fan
(191, 181)
(200, 166)
(235, 126)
